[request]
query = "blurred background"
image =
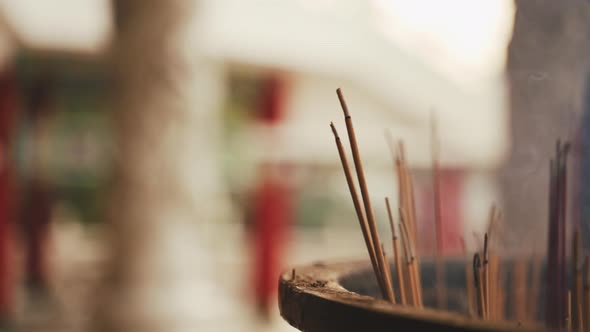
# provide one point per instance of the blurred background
(161, 162)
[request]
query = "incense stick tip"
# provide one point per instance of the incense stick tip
(342, 103)
(334, 130)
(476, 267)
(485, 249)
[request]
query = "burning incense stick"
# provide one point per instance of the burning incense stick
(398, 264)
(364, 190)
(359, 212)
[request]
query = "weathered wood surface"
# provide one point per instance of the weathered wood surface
(313, 299)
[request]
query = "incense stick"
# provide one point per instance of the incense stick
(519, 277)
(486, 275)
(412, 217)
(398, 159)
(412, 205)
(489, 269)
(412, 266)
(577, 318)
(568, 317)
(411, 296)
(587, 294)
(398, 265)
(387, 273)
(562, 220)
(469, 287)
(364, 190)
(493, 265)
(477, 276)
(495, 305)
(556, 248)
(556, 280)
(401, 184)
(501, 303)
(406, 191)
(407, 205)
(358, 210)
(535, 289)
(568, 308)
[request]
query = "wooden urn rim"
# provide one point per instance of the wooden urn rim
(312, 298)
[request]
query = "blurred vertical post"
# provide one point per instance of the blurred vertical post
(167, 181)
(547, 67)
(582, 188)
(8, 114)
(273, 203)
(37, 191)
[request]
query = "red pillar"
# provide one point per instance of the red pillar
(272, 217)
(452, 209)
(273, 209)
(451, 187)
